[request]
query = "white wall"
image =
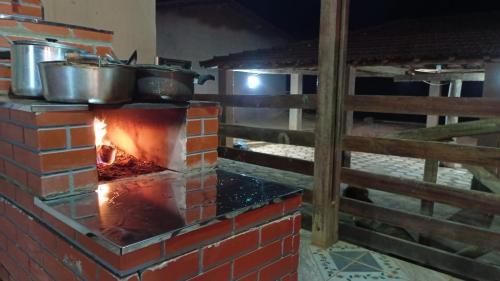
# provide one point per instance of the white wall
(200, 32)
(133, 22)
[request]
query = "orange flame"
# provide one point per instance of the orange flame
(106, 152)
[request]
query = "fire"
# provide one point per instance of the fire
(106, 151)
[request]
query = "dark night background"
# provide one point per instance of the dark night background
(301, 18)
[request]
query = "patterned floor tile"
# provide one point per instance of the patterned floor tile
(339, 261)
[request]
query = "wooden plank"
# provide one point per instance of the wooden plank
(426, 256)
(332, 57)
(226, 88)
(455, 153)
(295, 114)
(466, 199)
(445, 132)
(455, 91)
(267, 160)
(464, 107)
(486, 178)
(268, 135)
(469, 76)
(431, 167)
(349, 115)
(424, 225)
(263, 101)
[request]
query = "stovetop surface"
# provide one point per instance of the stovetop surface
(128, 214)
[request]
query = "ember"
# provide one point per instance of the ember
(125, 165)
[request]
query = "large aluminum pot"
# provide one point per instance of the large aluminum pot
(25, 55)
(87, 82)
(167, 83)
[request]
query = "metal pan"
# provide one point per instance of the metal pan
(93, 83)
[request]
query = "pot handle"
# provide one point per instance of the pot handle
(204, 78)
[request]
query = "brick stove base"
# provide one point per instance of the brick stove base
(258, 245)
(197, 223)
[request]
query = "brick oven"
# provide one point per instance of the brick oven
(130, 192)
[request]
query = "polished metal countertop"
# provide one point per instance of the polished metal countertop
(133, 213)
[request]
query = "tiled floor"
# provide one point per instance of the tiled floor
(348, 262)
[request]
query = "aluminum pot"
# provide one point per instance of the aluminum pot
(167, 82)
(94, 83)
(25, 55)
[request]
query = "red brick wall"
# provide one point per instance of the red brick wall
(32, 8)
(268, 250)
(202, 140)
(47, 153)
(91, 41)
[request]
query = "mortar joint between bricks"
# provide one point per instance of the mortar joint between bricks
(200, 260)
(68, 136)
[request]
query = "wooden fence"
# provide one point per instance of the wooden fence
(422, 223)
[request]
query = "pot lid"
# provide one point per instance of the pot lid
(47, 44)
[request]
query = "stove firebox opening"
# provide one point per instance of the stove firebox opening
(132, 142)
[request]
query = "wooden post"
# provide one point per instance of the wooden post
(349, 115)
(454, 92)
(226, 87)
(295, 118)
(431, 167)
(332, 57)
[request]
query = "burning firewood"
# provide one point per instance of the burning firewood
(106, 154)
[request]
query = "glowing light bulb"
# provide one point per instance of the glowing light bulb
(253, 81)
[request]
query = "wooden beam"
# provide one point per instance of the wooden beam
(268, 160)
(464, 107)
(349, 115)
(466, 199)
(327, 159)
(485, 177)
(380, 71)
(262, 101)
(431, 167)
(302, 138)
(473, 155)
(426, 256)
(303, 71)
(445, 132)
(226, 88)
(455, 91)
(295, 115)
(475, 76)
(424, 225)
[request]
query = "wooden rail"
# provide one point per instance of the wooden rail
(454, 153)
(267, 160)
(467, 199)
(268, 135)
(262, 101)
(424, 225)
(465, 107)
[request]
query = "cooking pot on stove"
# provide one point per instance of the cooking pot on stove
(167, 82)
(25, 55)
(83, 81)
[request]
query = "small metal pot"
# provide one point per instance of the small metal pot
(167, 83)
(26, 54)
(87, 82)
